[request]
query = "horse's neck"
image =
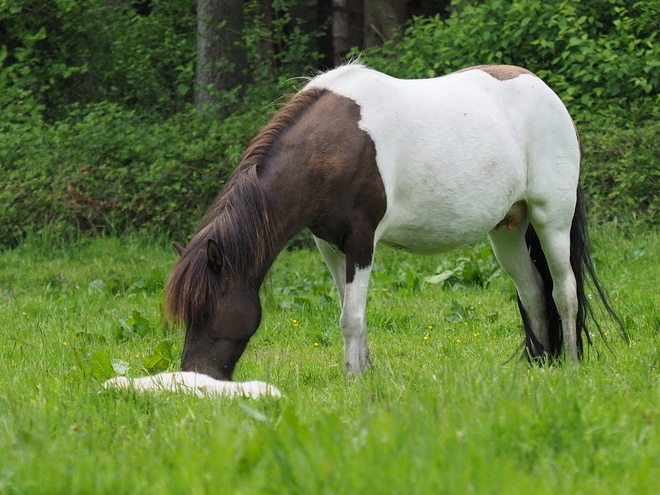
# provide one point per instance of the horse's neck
(266, 241)
(312, 171)
(289, 219)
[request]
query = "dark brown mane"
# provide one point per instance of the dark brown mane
(240, 221)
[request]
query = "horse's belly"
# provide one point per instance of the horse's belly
(422, 241)
(441, 213)
(432, 236)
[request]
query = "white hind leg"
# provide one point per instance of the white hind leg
(557, 247)
(511, 252)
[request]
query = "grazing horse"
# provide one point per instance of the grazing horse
(428, 165)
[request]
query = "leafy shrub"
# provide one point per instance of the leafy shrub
(96, 130)
(69, 51)
(109, 169)
(139, 55)
(148, 162)
(621, 171)
(278, 45)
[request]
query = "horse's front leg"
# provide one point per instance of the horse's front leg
(353, 321)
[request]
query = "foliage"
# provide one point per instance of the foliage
(107, 169)
(404, 279)
(97, 134)
(68, 51)
(134, 327)
(160, 360)
(137, 55)
(621, 170)
(477, 266)
(110, 143)
(278, 45)
(479, 269)
(98, 366)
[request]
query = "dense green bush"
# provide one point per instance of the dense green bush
(96, 128)
(621, 171)
(110, 169)
(58, 53)
(140, 158)
(140, 55)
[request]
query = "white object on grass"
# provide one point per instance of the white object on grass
(191, 382)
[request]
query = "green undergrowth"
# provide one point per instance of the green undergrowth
(447, 407)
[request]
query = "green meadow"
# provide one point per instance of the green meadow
(448, 407)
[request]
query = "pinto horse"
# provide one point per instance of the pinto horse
(359, 157)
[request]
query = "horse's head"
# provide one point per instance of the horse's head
(226, 315)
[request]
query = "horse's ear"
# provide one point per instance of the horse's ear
(214, 256)
(179, 248)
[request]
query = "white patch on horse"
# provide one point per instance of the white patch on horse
(463, 155)
(353, 323)
(452, 145)
(195, 383)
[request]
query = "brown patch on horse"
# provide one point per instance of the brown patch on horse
(349, 198)
(500, 72)
(516, 214)
(311, 166)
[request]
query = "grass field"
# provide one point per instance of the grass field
(443, 411)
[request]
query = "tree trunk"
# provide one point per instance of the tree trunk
(382, 21)
(347, 27)
(221, 58)
(324, 43)
(340, 44)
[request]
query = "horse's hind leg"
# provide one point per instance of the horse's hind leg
(511, 251)
(556, 245)
(336, 262)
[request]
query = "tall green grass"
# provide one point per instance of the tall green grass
(445, 409)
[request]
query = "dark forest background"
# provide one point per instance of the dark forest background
(120, 115)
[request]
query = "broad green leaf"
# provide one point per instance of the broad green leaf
(160, 360)
(440, 277)
(101, 366)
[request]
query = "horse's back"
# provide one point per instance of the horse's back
(456, 152)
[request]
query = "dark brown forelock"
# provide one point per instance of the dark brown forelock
(240, 221)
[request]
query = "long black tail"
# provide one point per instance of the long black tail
(585, 274)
